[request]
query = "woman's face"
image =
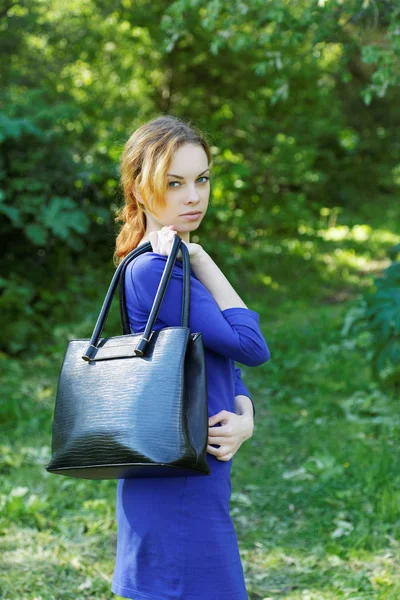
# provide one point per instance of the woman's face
(188, 190)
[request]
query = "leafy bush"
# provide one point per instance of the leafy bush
(378, 313)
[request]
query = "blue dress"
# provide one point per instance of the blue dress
(175, 536)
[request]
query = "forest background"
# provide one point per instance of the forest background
(300, 102)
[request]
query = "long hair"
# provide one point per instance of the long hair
(145, 161)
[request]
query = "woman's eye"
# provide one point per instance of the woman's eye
(202, 177)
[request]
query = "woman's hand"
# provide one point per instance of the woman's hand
(234, 430)
(162, 240)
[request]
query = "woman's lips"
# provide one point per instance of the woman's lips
(191, 217)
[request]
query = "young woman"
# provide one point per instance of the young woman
(176, 539)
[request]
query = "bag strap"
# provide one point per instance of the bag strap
(126, 330)
(155, 309)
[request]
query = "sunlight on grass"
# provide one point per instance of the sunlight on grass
(357, 233)
(53, 566)
(341, 257)
(279, 573)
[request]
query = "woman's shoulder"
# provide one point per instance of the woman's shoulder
(152, 264)
(146, 260)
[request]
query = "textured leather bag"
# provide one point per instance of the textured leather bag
(134, 405)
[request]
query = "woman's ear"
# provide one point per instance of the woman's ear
(137, 196)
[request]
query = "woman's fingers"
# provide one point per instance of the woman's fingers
(222, 453)
(217, 440)
(162, 240)
(219, 435)
(218, 451)
(225, 430)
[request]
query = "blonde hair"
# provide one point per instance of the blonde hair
(145, 160)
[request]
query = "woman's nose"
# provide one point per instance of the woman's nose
(193, 193)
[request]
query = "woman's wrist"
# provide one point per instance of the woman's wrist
(244, 406)
(244, 409)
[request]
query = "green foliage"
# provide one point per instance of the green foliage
(296, 98)
(378, 314)
(36, 170)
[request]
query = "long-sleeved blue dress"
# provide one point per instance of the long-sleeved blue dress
(175, 536)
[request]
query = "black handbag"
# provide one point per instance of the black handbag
(134, 405)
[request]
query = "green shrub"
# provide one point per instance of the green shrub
(378, 314)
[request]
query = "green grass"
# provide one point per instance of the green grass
(315, 491)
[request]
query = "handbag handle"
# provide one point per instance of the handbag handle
(92, 349)
(126, 330)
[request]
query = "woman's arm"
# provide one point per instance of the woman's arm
(211, 276)
(233, 332)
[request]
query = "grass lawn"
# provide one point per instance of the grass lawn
(315, 491)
